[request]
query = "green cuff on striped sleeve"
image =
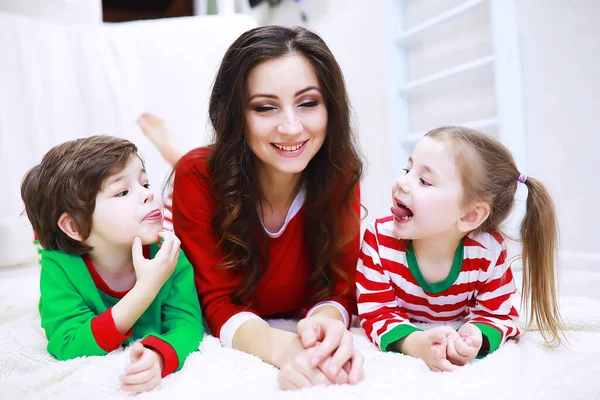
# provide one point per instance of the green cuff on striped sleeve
(493, 335)
(395, 334)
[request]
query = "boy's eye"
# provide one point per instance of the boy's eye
(424, 182)
(309, 104)
(122, 193)
(262, 109)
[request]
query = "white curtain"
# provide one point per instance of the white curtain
(62, 82)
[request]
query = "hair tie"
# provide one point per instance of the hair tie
(522, 178)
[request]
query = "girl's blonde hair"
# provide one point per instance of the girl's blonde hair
(489, 173)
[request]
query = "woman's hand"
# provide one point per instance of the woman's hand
(334, 349)
(299, 373)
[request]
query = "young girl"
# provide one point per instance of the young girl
(441, 258)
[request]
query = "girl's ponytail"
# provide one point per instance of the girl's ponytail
(539, 233)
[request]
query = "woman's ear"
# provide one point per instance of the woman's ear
(68, 226)
(473, 218)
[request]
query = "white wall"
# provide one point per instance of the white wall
(355, 32)
(560, 47)
(62, 11)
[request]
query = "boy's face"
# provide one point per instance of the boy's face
(125, 208)
(427, 199)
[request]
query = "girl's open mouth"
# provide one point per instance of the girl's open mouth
(401, 211)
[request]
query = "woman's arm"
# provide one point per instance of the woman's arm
(271, 345)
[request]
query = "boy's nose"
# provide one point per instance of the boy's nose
(149, 196)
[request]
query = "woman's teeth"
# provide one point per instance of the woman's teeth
(289, 148)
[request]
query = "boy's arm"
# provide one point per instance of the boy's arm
(182, 329)
(72, 327)
(380, 315)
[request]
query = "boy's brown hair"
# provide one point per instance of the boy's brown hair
(67, 180)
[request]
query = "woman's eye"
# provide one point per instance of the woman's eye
(424, 182)
(406, 170)
(310, 104)
(147, 185)
(122, 193)
(262, 109)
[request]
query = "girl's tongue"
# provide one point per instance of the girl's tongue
(401, 211)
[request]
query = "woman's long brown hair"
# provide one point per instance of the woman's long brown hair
(331, 177)
(490, 174)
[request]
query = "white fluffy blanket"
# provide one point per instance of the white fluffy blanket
(522, 370)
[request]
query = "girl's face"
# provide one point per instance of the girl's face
(427, 200)
(286, 116)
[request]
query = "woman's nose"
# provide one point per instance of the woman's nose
(290, 125)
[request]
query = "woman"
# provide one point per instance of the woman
(268, 215)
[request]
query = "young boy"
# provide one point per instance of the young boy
(105, 281)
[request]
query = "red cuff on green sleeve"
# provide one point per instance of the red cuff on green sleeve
(106, 333)
(171, 361)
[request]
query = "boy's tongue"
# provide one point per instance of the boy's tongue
(401, 211)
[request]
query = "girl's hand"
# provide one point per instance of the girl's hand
(464, 348)
(430, 346)
(334, 349)
(144, 372)
(155, 272)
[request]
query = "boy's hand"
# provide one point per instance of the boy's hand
(144, 371)
(430, 346)
(464, 348)
(155, 272)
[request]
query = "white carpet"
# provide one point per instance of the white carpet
(522, 370)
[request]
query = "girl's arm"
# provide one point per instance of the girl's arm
(378, 309)
(494, 313)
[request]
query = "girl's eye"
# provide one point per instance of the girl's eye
(262, 109)
(310, 104)
(122, 194)
(424, 182)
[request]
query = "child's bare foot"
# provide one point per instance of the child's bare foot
(430, 346)
(156, 130)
